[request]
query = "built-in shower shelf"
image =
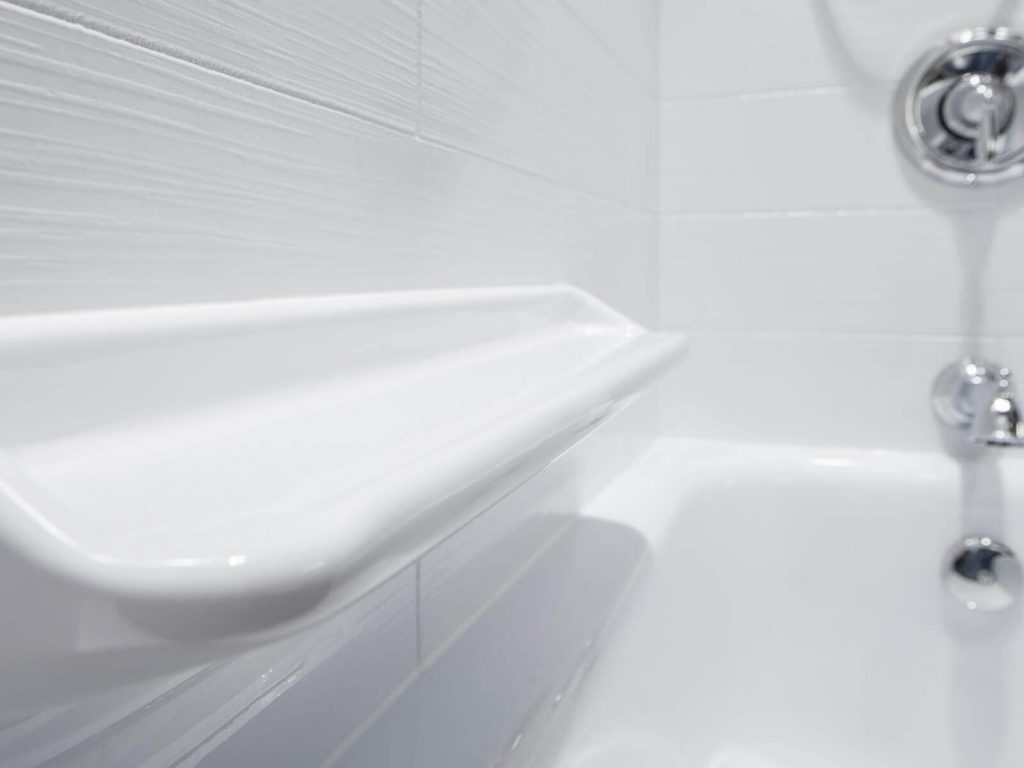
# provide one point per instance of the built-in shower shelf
(205, 454)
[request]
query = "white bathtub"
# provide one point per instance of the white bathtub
(793, 616)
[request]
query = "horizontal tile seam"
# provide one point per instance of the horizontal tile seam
(493, 598)
(768, 95)
(820, 213)
(847, 335)
(210, 66)
(361, 729)
(452, 147)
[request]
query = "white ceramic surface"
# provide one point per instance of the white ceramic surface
(213, 472)
(794, 616)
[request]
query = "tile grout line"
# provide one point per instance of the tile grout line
(815, 213)
(534, 175)
(767, 95)
(419, 69)
(419, 613)
(901, 336)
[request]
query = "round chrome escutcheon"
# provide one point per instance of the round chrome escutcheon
(960, 111)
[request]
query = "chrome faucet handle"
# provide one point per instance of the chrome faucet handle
(989, 102)
(977, 397)
(999, 423)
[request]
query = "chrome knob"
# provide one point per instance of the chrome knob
(977, 400)
(983, 574)
(979, 108)
(960, 111)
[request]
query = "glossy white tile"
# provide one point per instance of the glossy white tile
(701, 144)
(865, 46)
(799, 228)
(812, 150)
(752, 47)
(812, 389)
(699, 47)
(826, 273)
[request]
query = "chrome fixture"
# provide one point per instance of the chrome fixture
(983, 574)
(978, 398)
(959, 111)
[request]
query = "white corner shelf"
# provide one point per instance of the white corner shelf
(200, 455)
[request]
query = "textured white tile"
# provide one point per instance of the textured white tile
(863, 273)
(130, 178)
(343, 680)
(528, 85)
(358, 55)
(629, 30)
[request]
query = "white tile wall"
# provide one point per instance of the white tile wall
(630, 32)
(810, 389)
(513, 664)
(359, 662)
(462, 575)
(357, 56)
(697, 49)
(158, 156)
(289, 686)
(488, 88)
(796, 246)
(181, 151)
(716, 47)
(140, 167)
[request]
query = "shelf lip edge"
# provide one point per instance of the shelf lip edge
(584, 402)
